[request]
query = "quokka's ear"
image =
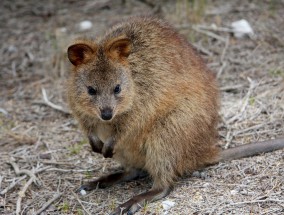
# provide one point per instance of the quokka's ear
(79, 53)
(119, 48)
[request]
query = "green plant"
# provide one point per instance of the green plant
(251, 101)
(80, 212)
(75, 149)
(64, 207)
(88, 174)
(276, 72)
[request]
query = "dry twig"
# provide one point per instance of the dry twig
(24, 171)
(258, 201)
(215, 28)
(3, 111)
(73, 170)
(208, 33)
(223, 63)
(52, 105)
(22, 194)
(80, 202)
(201, 49)
(21, 138)
(30, 181)
(231, 87)
(46, 205)
(245, 103)
(1, 179)
(3, 192)
(12, 185)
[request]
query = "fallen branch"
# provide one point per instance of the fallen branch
(215, 28)
(12, 185)
(258, 201)
(208, 33)
(24, 171)
(22, 194)
(47, 204)
(73, 170)
(52, 105)
(255, 127)
(23, 191)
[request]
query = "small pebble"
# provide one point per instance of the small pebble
(83, 192)
(85, 25)
(203, 175)
(206, 185)
(12, 49)
(244, 192)
(168, 204)
(63, 29)
(196, 174)
(242, 28)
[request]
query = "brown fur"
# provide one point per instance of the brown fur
(167, 124)
(164, 119)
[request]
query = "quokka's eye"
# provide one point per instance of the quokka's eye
(92, 91)
(117, 89)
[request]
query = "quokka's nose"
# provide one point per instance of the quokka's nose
(106, 113)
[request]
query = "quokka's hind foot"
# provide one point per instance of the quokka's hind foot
(113, 178)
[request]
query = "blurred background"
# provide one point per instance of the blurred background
(241, 42)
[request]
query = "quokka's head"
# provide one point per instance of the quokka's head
(101, 82)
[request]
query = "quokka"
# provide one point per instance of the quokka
(144, 97)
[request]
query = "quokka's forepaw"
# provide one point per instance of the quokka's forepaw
(107, 152)
(96, 144)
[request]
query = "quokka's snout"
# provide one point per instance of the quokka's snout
(106, 113)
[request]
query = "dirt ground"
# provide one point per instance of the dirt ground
(43, 156)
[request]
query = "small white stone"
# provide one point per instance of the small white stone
(168, 204)
(234, 192)
(85, 25)
(63, 29)
(196, 174)
(12, 48)
(83, 192)
(242, 28)
(244, 192)
(206, 185)
(213, 25)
